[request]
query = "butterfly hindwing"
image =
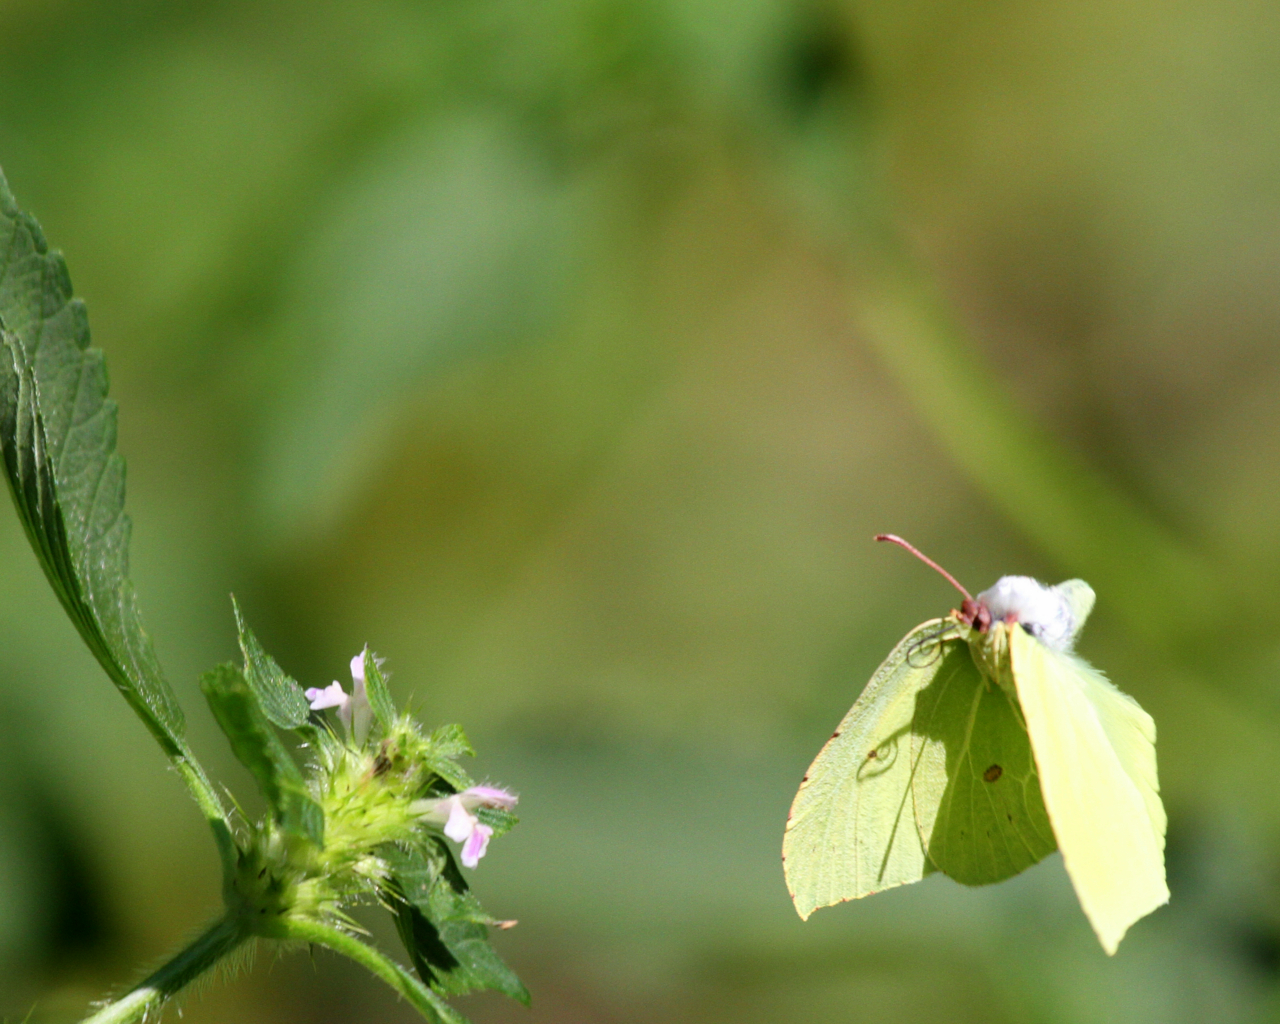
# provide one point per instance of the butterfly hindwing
(989, 822)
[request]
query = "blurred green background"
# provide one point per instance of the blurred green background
(570, 352)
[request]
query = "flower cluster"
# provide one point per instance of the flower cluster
(454, 814)
(370, 816)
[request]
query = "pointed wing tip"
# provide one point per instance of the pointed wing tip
(803, 907)
(1111, 941)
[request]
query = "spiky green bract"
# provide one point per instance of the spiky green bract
(379, 697)
(366, 805)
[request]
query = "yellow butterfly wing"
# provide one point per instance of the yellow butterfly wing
(1095, 753)
(1133, 736)
(852, 827)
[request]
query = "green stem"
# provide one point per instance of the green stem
(201, 789)
(179, 972)
(423, 999)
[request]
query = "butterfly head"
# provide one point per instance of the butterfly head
(1053, 615)
(974, 614)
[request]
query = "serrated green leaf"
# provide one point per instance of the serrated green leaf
(256, 745)
(499, 819)
(443, 927)
(444, 745)
(279, 695)
(384, 710)
(58, 433)
(451, 741)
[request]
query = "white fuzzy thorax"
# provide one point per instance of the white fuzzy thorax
(1053, 615)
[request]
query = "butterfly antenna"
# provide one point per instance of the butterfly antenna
(894, 539)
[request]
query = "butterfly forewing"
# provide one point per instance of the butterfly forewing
(1095, 752)
(1132, 734)
(852, 828)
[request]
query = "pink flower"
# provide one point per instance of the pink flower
(473, 849)
(353, 708)
(455, 814)
(332, 696)
(489, 796)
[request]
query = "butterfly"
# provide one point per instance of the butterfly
(981, 745)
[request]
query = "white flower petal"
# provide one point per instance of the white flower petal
(461, 822)
(332, 696)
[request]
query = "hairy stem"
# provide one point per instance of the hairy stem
(201, 789)
(423, 999)
(148, 997)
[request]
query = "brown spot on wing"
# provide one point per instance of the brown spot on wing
(992, 773)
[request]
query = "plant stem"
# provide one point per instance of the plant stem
(206, 797)
(424, 1000)
(179, 972)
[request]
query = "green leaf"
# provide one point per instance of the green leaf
(499, 819)
(384, 710)
(451, 741)
(58, 434)
(279, 695)
(444, 745)
(235, 705)
(442, 925)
